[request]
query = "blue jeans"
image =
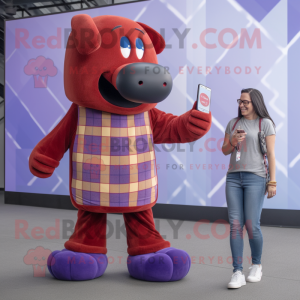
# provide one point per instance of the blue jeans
(245, 193)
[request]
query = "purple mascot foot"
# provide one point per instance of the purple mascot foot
(74, 266)
(168, 264)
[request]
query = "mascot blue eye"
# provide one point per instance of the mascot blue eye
(125, 46)
(139, 48)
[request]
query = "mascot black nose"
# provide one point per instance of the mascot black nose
(144, 82)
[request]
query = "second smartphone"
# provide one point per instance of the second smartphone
(203, 98)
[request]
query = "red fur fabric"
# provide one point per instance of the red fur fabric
(90, 233)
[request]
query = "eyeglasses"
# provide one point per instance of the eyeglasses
(245, 102)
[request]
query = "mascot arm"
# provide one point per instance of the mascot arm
(46, 155)
(186, 128)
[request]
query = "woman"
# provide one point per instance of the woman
(246, 181)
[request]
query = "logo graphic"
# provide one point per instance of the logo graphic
(38, 259)
(40, 68)
(204, 99)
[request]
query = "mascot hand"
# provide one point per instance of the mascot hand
(42, 166)
(198, 122)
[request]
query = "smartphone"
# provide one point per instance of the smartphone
(203, 98)
(240, 131)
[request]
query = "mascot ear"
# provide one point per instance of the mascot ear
(157, 40)
(85, 34)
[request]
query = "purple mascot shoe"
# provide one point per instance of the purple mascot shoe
(75, 266)
(168, 264)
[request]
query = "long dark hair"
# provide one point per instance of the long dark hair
(258, 104)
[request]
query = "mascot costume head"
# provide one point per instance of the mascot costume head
(113, 78)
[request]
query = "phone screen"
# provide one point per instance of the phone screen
(203, 101)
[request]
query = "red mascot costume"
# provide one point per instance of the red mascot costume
(112, 76)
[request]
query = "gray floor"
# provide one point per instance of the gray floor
(281, 263)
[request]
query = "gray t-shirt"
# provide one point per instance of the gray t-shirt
(251, 158)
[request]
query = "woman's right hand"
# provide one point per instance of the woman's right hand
(237, 138)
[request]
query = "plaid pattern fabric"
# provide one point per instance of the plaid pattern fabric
(113, 160)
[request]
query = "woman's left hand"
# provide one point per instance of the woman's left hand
(271, 190)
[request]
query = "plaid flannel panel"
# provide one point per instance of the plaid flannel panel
(113, 160)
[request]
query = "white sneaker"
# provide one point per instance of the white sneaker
(237, 280)
(255, 273)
